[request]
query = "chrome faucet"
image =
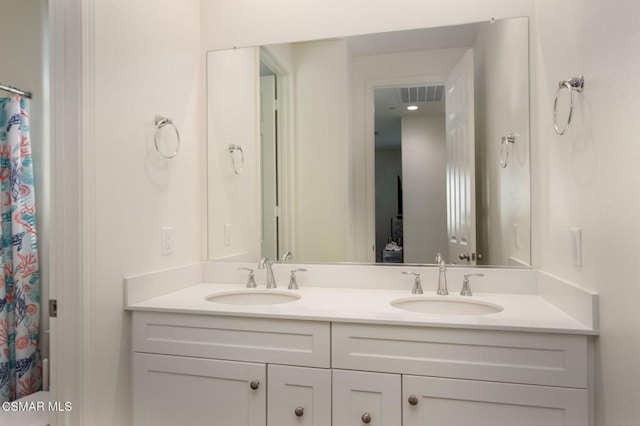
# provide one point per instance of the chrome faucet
(271, 279)
(287, 256)
(251, 282)
(417, 284)
(442, 278)
(293, 281)
(466, 289)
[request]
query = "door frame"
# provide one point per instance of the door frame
(286, 152)
(72, 242)
(370, 150)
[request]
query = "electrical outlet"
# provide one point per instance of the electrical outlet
(227, 234)
(166, 240)
(576, 246)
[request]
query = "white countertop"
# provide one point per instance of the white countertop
(522, 312)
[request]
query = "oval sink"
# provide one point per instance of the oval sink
(442, 306)
(253, 297)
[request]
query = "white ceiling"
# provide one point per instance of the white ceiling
(389, 111)
(422, 39)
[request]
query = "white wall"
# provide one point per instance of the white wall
(233, 117)
(321, 89)
(501, 68)
(148, 61)
(589, 178)
(23, 46)
(424, 163)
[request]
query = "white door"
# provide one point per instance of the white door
(461, 203)
(174, 390)
(363, 398)
(450, 402)
(299, 396)
(268, 147)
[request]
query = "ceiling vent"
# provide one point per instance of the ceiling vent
(421, 94)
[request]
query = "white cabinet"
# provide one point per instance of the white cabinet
(304, 343)
(171, 390)
(449, 402)
(495, 356)
(516, 378)
(363, 398)
(299, 396)
(202, 370)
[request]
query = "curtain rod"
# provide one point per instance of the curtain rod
(14, 90)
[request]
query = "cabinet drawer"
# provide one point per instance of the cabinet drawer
(501, 356)
(452, 402)
(305, 343)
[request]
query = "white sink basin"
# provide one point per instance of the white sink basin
(444, 306)
(253, 297)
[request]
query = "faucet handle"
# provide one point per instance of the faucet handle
(251, 282)
(442, 265)
(287, 256)
(293, 281)
(264, 261)
(466, 288)
(417, 283)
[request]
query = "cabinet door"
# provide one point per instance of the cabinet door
(299, 396)
(362, 398)
(451, 402)
(171, 390)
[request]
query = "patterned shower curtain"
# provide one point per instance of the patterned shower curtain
(20, 364)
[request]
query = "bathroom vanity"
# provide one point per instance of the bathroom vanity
(347, 356)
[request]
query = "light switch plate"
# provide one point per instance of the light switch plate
(575, 245)
(227, 234)
(166, 240)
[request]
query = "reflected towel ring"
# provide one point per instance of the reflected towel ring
(160, 123)
(576, 84)
(232, 149)
(506, 140)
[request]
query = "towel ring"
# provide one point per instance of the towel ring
(160, 123)
(576, 84)
(506, 140)
(232, 149)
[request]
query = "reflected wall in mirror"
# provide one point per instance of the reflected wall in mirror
(336, 167)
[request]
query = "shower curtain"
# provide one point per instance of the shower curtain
(20, 364)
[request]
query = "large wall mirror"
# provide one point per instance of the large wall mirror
(386, 148)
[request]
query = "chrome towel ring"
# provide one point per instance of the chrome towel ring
(160, 123)
(504, 149)
(232, 150)
(576, 84)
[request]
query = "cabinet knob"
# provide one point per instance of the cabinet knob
(366, 418)
(254, 384)
(299, 411)
(413, 400)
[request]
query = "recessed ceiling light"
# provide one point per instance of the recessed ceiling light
(412, 107)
